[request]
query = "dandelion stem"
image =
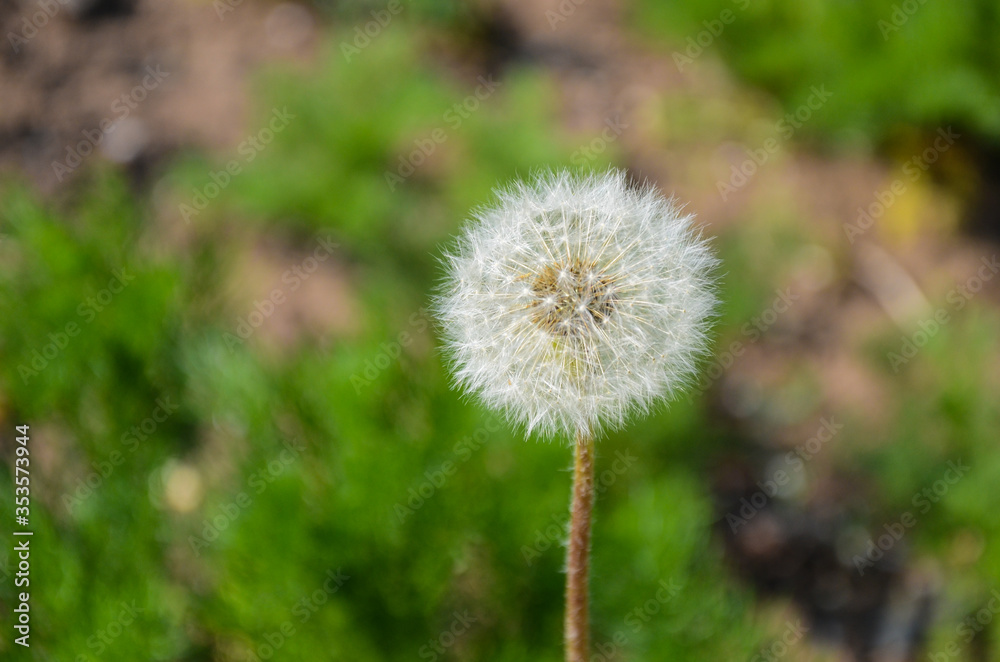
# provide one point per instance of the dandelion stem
(578, 552)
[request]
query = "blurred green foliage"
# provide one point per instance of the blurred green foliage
(889, 64)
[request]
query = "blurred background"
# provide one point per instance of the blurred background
(219, 227)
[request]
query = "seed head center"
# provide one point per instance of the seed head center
(572, 297)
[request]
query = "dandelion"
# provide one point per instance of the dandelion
(570, 305)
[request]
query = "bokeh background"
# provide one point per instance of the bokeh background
(219, 228)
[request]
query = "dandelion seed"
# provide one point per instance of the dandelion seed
(575, 302)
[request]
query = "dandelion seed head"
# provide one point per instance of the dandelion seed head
(575, 302)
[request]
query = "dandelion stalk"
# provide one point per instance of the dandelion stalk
(572, 304)
(577, 627)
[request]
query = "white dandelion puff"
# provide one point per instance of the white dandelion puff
(576, 301)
